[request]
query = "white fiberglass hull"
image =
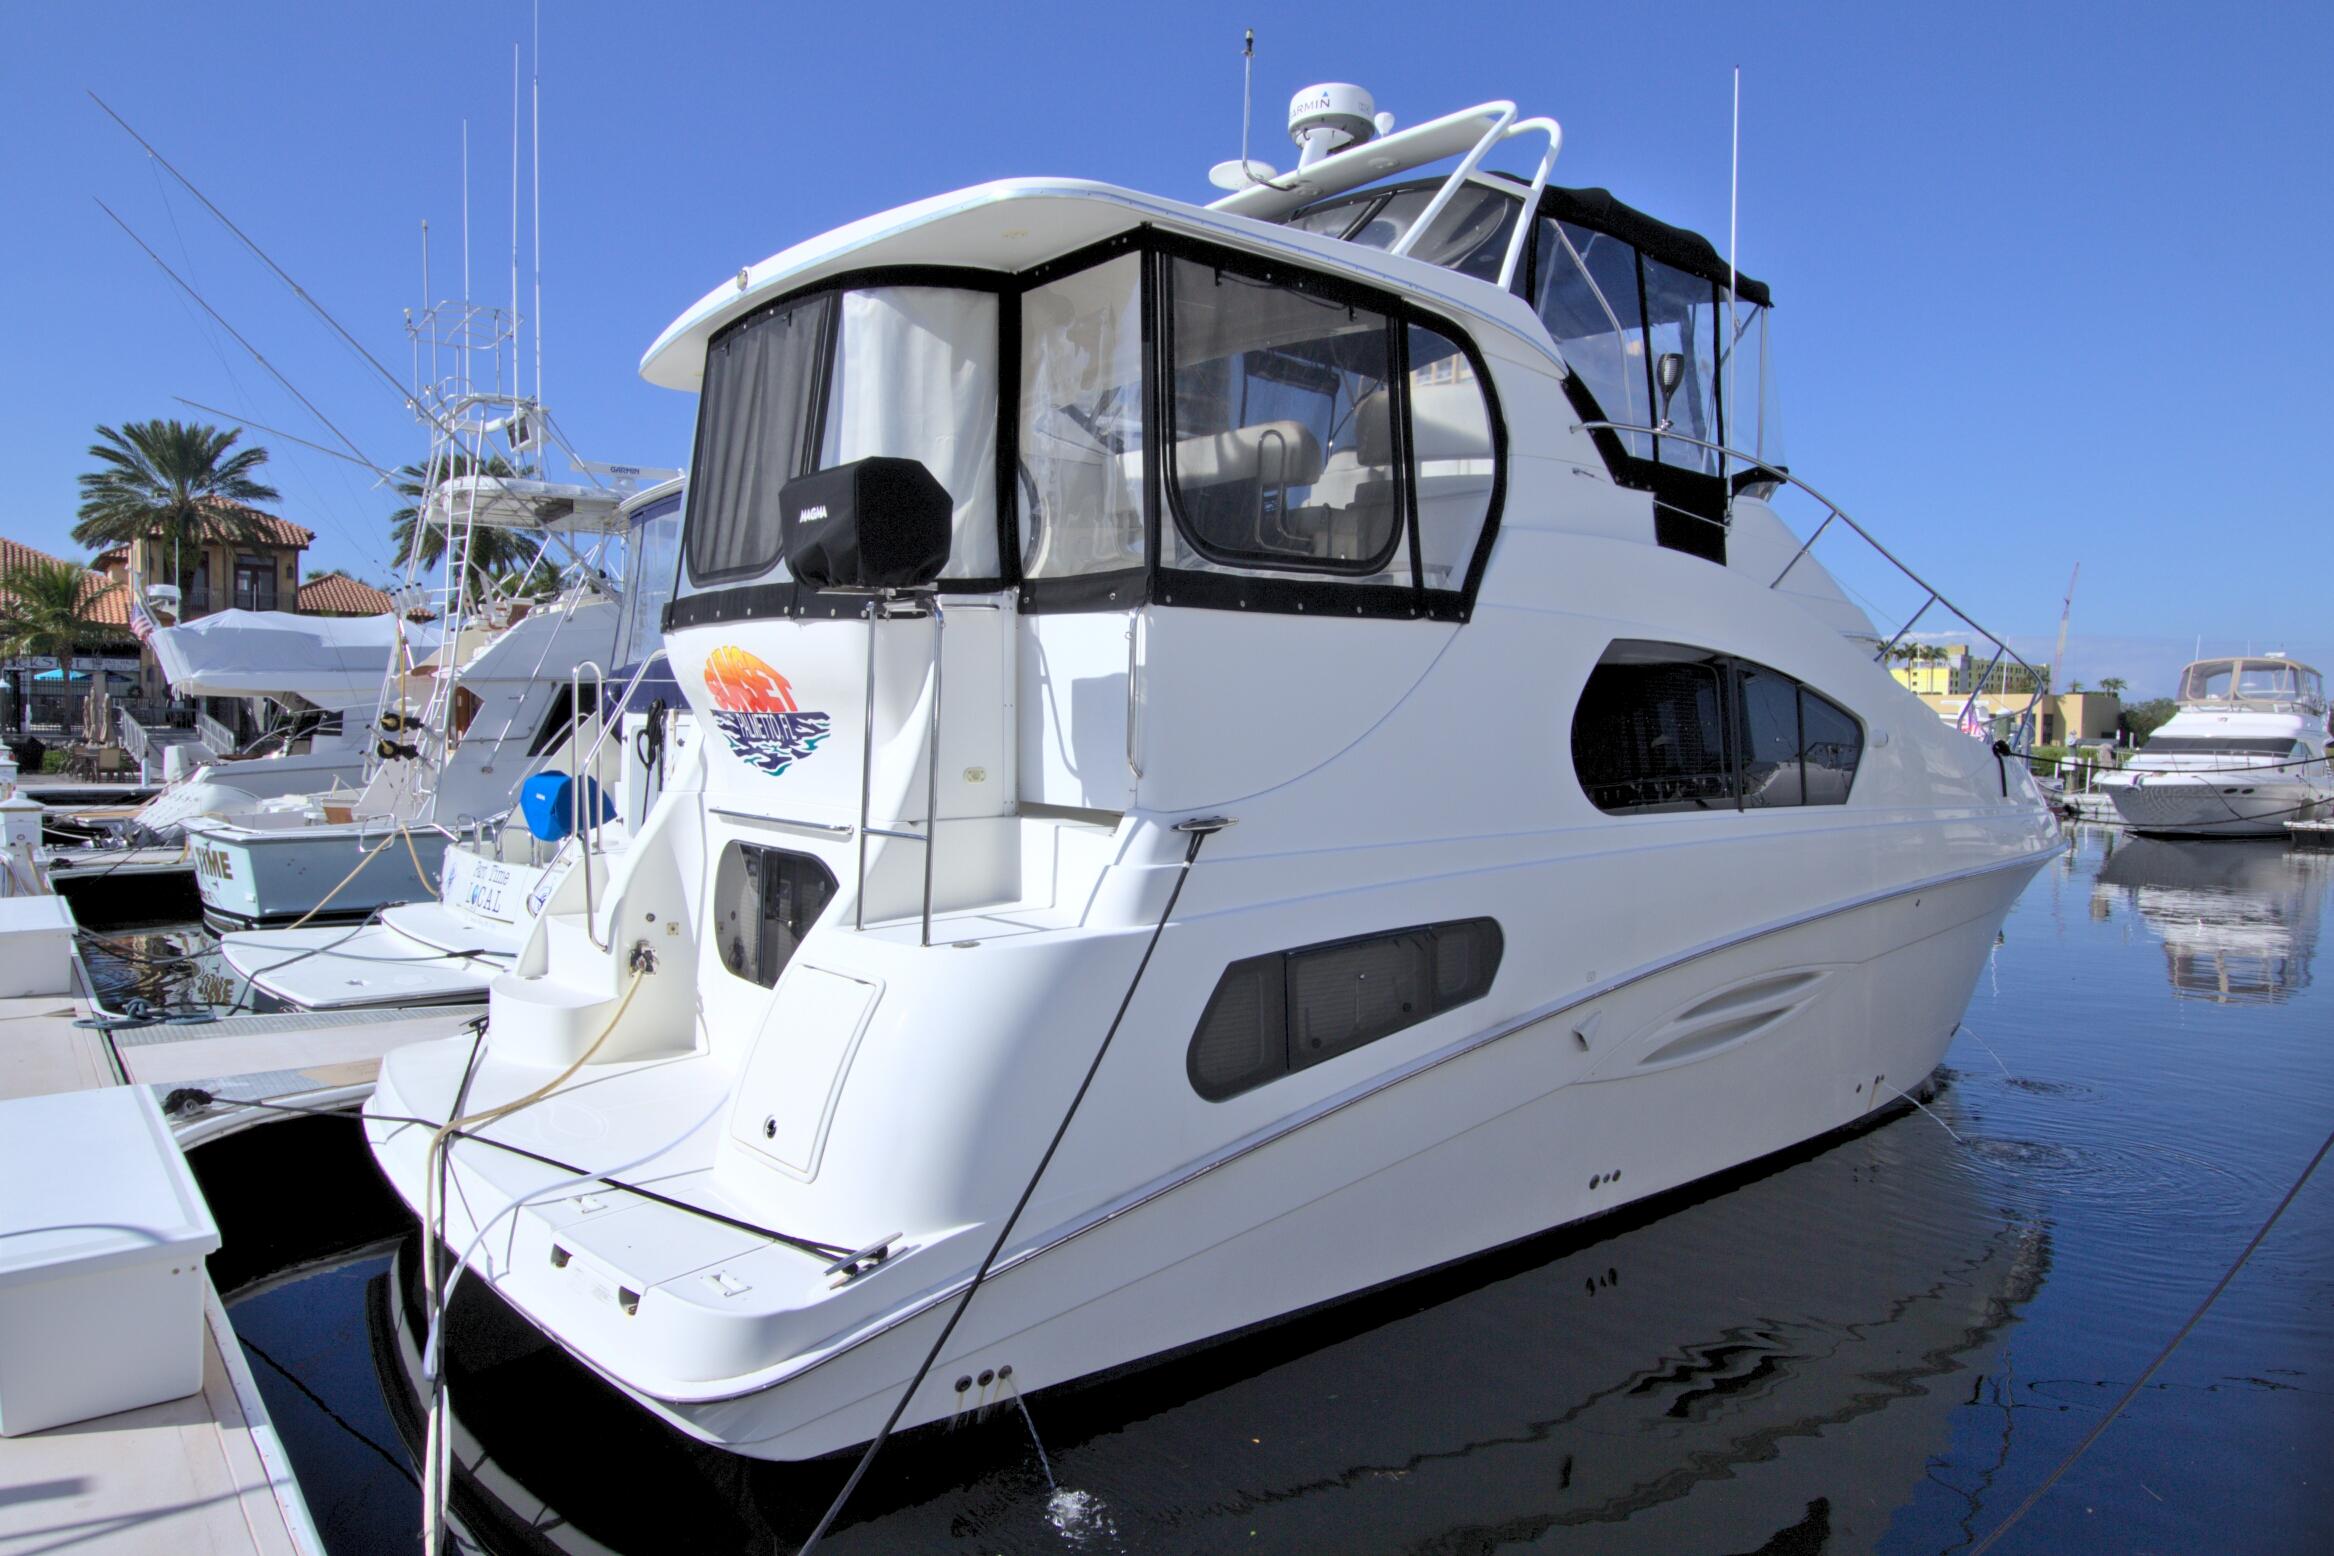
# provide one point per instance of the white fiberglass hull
(229, 788)
(2227, 804)
(1494, 1138)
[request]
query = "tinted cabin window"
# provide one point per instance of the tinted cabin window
(1665, 727)
(765, 901)
(1283, 444)
(1289, 1010)
(1650, 733)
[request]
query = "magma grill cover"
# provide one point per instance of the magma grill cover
(877, 523)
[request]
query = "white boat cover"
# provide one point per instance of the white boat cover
(334, 662)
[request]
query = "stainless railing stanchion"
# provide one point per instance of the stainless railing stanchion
(866, 775)
(932, 770)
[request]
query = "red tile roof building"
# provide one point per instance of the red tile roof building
(337, 594)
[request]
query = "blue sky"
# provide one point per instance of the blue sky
(2030, 261)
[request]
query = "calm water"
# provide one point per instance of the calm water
(1884, 1344)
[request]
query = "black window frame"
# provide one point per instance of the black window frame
(1276, 975)
(733, 596)
(1728, 669)
(756, 861)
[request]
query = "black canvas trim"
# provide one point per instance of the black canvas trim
(1119, 590)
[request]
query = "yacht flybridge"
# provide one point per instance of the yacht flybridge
(2246, 753)
(1305, 703)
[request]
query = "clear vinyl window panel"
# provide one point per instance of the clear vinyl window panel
(1283, 452)
(1586, 294)
(1451, 454)
(1285, 1011)
(651, 566)
(1081, 426)
(1682, 330)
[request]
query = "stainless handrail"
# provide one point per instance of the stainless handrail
(877, 611)
(1936, 597)
(590, 758)
(1134, 628)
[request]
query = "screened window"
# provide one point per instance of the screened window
(904, 371)
(757, 430)
(765, 901)
(1664, 727)
(1274, 1014)
(1283, 452)
(1081, 437)
(255, 583)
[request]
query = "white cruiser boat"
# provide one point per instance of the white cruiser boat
(494, 888)
(321, 674)
(2246, 753)
(1295, 701)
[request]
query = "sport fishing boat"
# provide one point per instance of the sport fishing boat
(2245, 754)
(320, 676)
(494, 888)
(1251, 751)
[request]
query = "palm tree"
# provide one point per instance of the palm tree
(44, 609)
(174, 481)
(493, 552)
(2113, 685)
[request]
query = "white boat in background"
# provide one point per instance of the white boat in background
(1294, 701)
(2246, 753)
(495, 887)
(322, 675)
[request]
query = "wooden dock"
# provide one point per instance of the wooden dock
(207, 1472)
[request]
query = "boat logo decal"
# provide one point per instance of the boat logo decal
(754, 708)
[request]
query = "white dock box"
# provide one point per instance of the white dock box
(102, 1238)
(36, 949)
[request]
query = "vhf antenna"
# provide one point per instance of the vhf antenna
(1247, 94)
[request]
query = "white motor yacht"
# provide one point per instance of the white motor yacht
(2246, 753)
(1251, 750)
(493, 887)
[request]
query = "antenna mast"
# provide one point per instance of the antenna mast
(1247, 92)
(1733, 329)
(538, 220)
(514, 239)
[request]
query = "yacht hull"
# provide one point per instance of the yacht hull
(2223, 805)
(1497, 1137)
(255, 877)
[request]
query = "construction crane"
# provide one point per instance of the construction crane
(2059, 654)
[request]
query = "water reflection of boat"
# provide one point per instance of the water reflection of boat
(2239, 919)
(1781, 1357)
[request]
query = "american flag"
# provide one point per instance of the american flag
(141, 624)
(1971, 722)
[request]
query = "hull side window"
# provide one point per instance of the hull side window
(1275, 1014)
(1665, 727)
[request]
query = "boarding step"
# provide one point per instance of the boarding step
(577, 1005)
